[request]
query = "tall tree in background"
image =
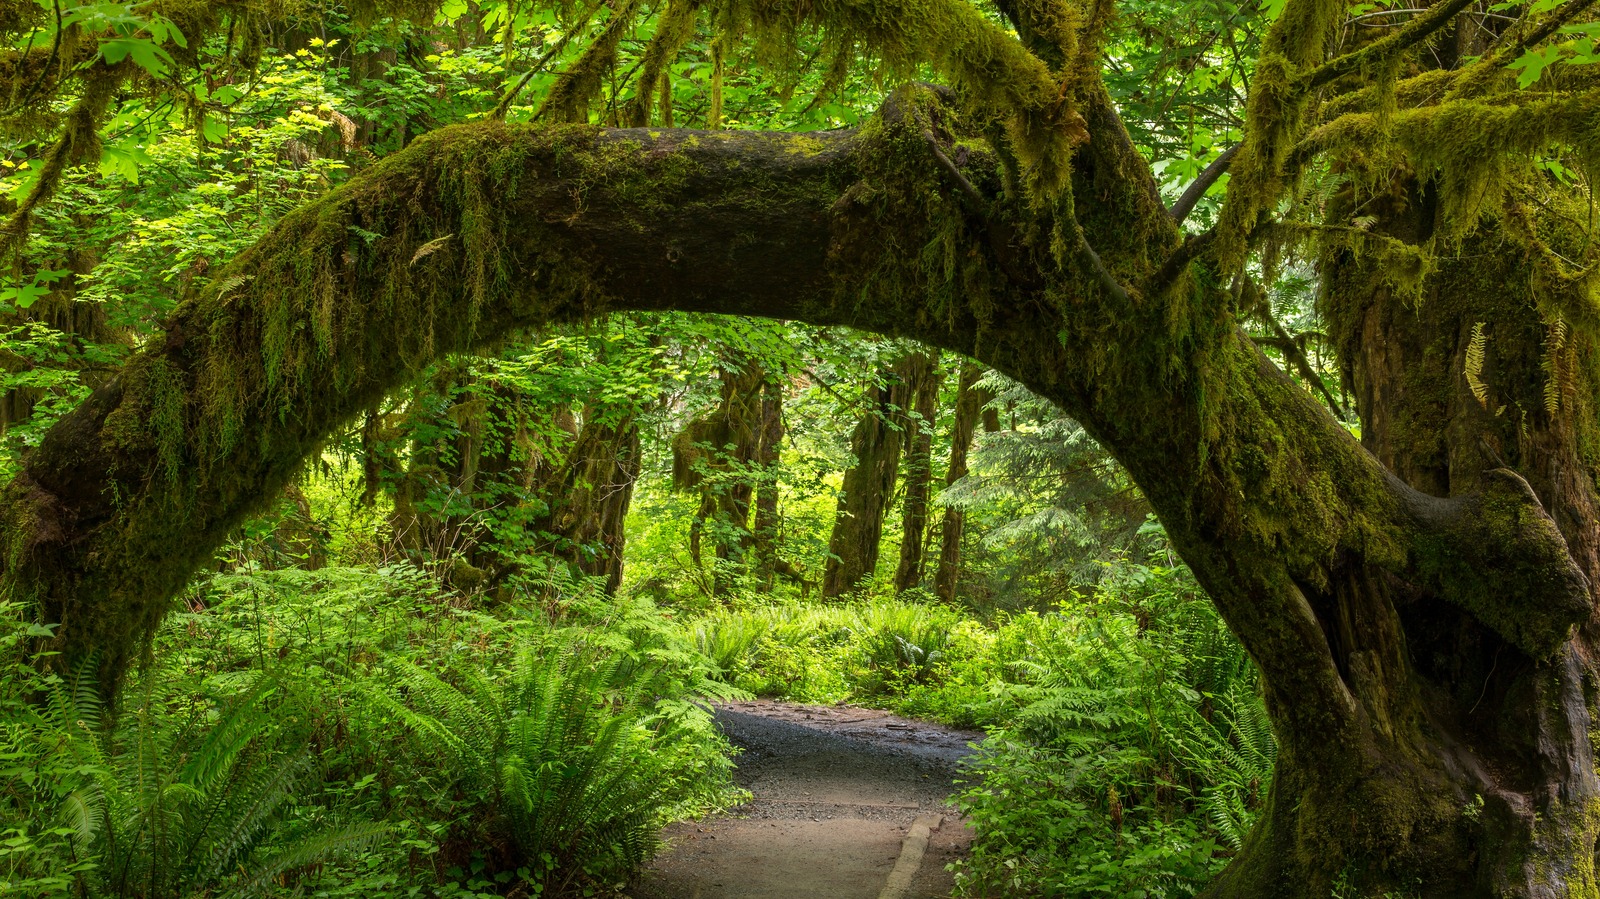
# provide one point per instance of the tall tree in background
(924, 377)
(869, 482)
(768, 525)
(970, 402)
(714, 456)
(1010, 217)
(588, 503)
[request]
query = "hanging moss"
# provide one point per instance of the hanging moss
(1472, 150)
(996, 79)
(569, 99)
(674, 29)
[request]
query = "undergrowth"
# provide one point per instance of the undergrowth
(359, 732)
(1128, 750)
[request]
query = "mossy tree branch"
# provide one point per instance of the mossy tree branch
(1385, 49)
(483, 230)
(491, 228)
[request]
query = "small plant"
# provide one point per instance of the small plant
(563, 767)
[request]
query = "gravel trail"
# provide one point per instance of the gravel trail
(836, 790)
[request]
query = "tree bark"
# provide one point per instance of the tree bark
(924, 380)
(1309, 547)
(869, 482)
(589, 507)
(970, 403)
(768, 520)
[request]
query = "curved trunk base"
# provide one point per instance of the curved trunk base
(1437, 820)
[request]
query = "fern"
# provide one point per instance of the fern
(575, 768)
(184, 796)
(1557, 369)
(1473, 366)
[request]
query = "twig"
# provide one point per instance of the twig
(1173, 266)
(49, 63)
(979, 202)
(1558, 18)
(1291, 349)
(998, 235)
(1092, 259)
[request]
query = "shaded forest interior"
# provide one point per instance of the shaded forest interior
(415, 414)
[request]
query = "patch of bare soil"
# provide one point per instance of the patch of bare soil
(835, 792)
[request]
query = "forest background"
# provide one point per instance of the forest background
(467, 652)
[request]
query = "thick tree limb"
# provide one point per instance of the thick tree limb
(1379, 51)
(132, 491)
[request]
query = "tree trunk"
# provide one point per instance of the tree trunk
(1321, 560)
(924, 378)
(768, 523)
(970, 403)
(589, 508)
(468, 461)
(1485, 745)
(712, 455)
(869, 482)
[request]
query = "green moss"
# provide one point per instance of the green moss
(803, 145)
(1471, 150)
(674, 29)
(569, 98)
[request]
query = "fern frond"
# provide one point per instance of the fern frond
(1473, 366)
(233, 823)
(260, 880)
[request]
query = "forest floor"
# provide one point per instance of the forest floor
(844, 802)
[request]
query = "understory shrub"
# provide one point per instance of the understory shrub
(1137, 752)
(560, 768)
(291, 717)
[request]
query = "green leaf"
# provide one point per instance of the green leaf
(123, 160)
(1531, 65)
(144, 53)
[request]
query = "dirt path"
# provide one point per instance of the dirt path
(836, 793)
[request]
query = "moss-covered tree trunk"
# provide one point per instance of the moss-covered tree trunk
(768, 518)
(713, 455)
(588, 505)
(1479, 744)
(869, 482)
(924, 379)
(1336, 575)
(970, 402)
(468, 463)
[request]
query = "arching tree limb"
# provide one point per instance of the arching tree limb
(475, 232)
